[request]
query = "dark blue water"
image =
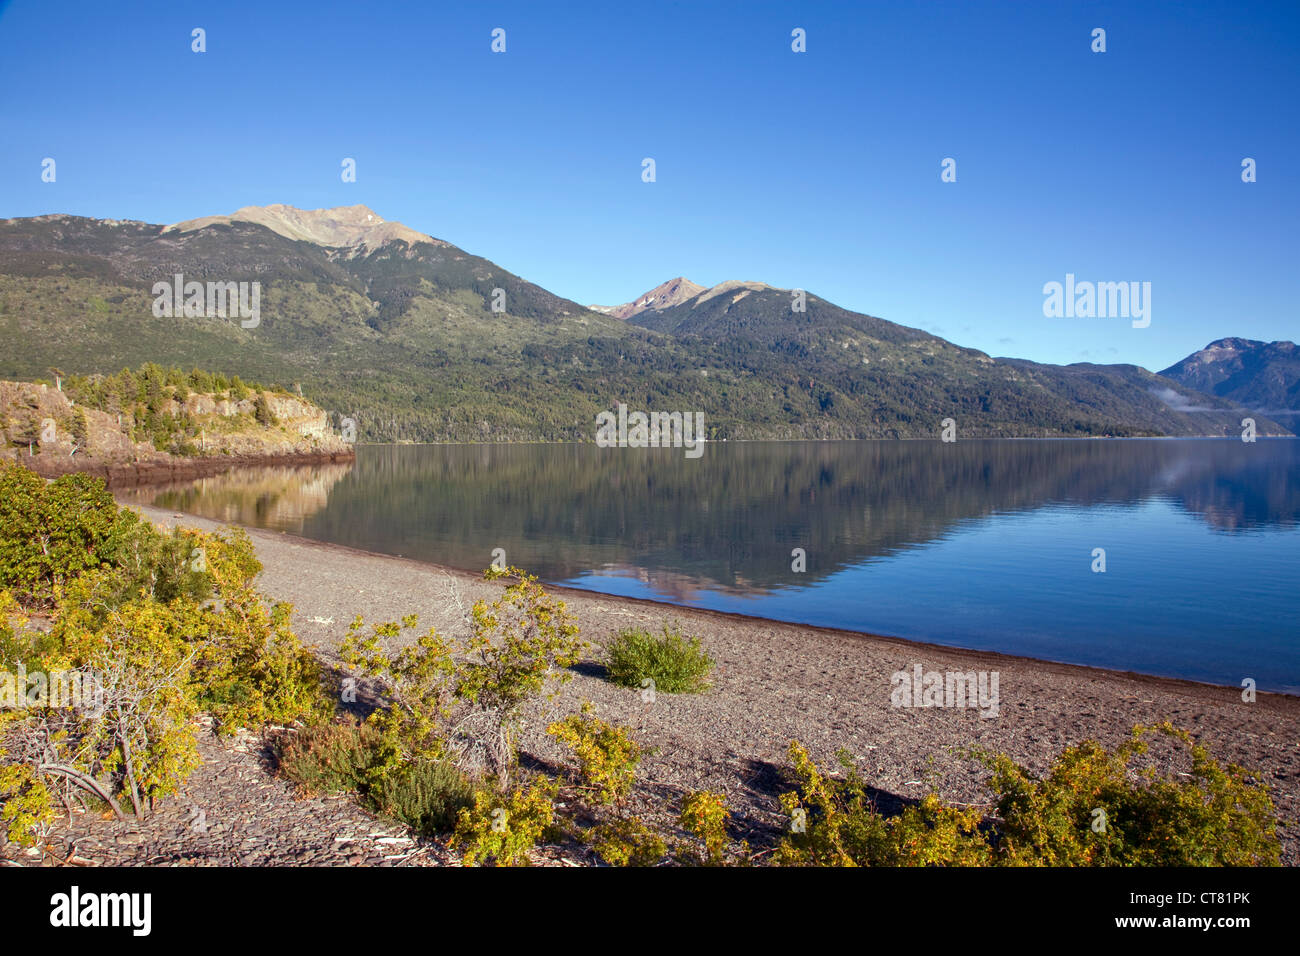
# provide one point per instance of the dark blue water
(981, 544)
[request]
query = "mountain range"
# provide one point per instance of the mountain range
(418, 340)
(1262, 376)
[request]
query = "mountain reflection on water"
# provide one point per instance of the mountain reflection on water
(933, 521)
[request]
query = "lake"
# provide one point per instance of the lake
(979, 544)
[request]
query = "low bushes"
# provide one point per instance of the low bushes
(1098, 807)
(439, 753)
(607, 756)
(330, 759)
(1094, 807)
(150, 628)
(834, 823)
(673, 663)
(425, 794)
(607, 759)
(51, 533)
(461, 698)
(704, 815)
(501, 828)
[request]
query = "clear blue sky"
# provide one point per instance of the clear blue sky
(817, 170)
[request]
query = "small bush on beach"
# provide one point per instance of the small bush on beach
(676, 664)
(627, 841)
(425, 794)
(704, 815)
(606, 755)
(329, 759)
(1210, 815)
(252, 669)
(501, 828)
(520, 648)
(834, 823)
(464, 697)
(607, 759)
(418, 683)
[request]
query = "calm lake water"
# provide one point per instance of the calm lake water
(980, 544)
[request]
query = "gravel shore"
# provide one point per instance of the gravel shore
(774, 683)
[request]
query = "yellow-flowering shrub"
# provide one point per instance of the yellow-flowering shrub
(607, 757)
(627, 841)
(501, 828)
(463, 697)
(1094, 807)
(161, 626)
(704, 815)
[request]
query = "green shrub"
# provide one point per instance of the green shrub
(626, 841)
(426, 795)
(262, 410)
(165, 565)
(704, 815)
(501, 828)
(418, 681)
(1094, 807)
(251, 668)
(329, 758)
(26, 803)
(607, 760)
(1207, 815)
(50, 533)
(133, 735)
(168, 624)
(464, 696)
(606, 755)
(519, 649)
(676, 664)
(834, 823)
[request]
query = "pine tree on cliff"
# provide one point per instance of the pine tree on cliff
(80, 431)
(262, 410)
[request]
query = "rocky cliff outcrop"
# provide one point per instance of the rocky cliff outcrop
(44, 429)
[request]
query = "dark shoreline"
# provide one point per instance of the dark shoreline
(1170, 684)
(776, 682)
(162, 471)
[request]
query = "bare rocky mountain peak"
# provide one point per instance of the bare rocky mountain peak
(738, 288)
(356, 228)
(679, 290)
(663, 296)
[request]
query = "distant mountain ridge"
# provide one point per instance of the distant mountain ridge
(353, 227)
(1262, 376)
(416, 339)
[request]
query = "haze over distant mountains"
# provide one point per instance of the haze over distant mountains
(397, 329)
(1263, 376)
